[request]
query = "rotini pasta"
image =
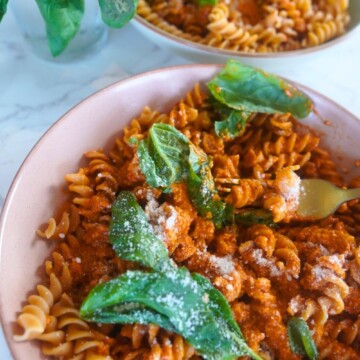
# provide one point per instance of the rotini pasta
(250, 26)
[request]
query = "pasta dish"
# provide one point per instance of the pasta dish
(260, 26)
(182, 242)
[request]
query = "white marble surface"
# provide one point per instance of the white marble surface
(35, 93)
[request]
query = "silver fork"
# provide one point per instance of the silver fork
(320, 198)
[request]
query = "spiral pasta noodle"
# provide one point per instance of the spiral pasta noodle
(161, 345)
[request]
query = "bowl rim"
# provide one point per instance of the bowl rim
(257, 55)
(13, 187)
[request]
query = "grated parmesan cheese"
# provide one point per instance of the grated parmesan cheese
(171, 220)
(295, 305)
(288, 185)
(320, 274)
(263, 262)
(337, 259)
(205, 298)
(224, 265)
(159, 217)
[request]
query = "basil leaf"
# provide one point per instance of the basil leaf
(218, 303)
(246, 88)
(229, 123)
(300, 339)
(163, 155)
(232, 126)
(166, 156)
(251, 216)
(130, 313)
(3, 6)
(178, 299)
(132, 237)
(202, 192)
(62, 19)
(206, 2)
(117, 13)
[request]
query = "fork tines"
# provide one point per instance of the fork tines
(225, 184)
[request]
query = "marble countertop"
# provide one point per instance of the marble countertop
(35, 93)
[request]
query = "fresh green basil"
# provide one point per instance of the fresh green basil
(218, 304)
(132, 237)
(228, 123)
(3, 6)
(117, 13)
(300, 339)
(232, 125)
(125, 300)
(249, 89)
(166, 156)
(62, 19)
(206, 2)
(163, 155)
(175, 300)
(130, 313)
(202, 192)
(252, 216)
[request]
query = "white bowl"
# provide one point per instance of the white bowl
(209, 55)
(37, 190)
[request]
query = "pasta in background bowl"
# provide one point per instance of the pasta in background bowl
(37, 191)
(229, 41)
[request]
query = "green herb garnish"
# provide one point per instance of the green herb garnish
(166, 156)
(163, 156)
(252, 216)
(245, 88)
(3, 6)
(202, 191)
(300, 339)
(168, 296)
(128, 242)
(174, 300)
(206, 2)
(232, 125)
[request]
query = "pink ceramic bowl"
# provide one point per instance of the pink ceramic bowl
(37, 190)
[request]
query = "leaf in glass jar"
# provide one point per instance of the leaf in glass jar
(163, 156)
(62, 19)
(300, 339)
(249, 89)
(132, 237)
(3, 6)
(117, 13)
